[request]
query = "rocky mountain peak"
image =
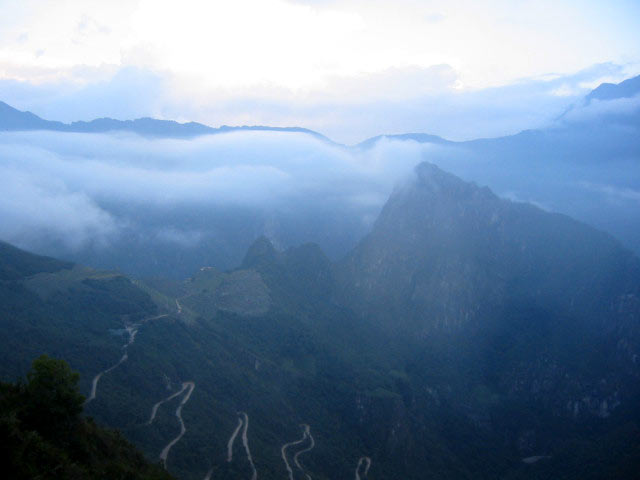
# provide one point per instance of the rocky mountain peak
(260, 252)
(448, 252)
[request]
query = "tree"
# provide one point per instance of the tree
(53, 403)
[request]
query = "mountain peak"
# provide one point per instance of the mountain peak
(416, 199)
(260, 252)
(611, 91)
(17, 264)
(429, 176)
(447, 253)
(12, 119)
(449, 183)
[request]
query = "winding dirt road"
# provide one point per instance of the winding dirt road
(283, 451)
(233, 439)
(154, 409)
(183, 429)
(362, 460)
(245, 442)
(243, 420)
(307, 432)
(132, 330)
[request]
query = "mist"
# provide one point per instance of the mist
(154, 206)
(98, 198)
(585, 165)
(347, 109)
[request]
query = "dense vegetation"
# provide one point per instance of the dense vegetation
(44, 436)
(496, 344)
(66, 311)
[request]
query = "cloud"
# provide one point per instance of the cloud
(106, 91)
(89, 189)
(34, 209)
(603, 110)
(347, 108)
(393, 83)
(614, 193)
(121, 200)
(82, 189)
(178, 237)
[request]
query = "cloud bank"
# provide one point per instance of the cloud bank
(121, 200)
(65, 192)
(348, 109)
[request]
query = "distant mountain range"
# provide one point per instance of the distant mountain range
(12, 119)
(585, 165)
(611, 91)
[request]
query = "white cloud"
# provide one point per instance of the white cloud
(352, 109)
(299, 45)
(614, 193)
(85, 189)
(603, 109)
(34, 208)
(349, 69)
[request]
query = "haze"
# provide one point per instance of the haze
(348, 69)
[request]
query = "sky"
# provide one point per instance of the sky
(349, 69)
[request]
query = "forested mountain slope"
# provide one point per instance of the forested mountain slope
(466, 337)
(43, 435)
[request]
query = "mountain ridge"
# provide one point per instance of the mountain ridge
(438, 210)
(448, 345)
(14, 119)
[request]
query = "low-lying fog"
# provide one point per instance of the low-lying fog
(168, 206)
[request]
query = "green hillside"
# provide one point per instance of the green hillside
(466, 337)
(44, 436)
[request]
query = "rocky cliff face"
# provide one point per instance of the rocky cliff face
(540, 306)
(445, 252)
